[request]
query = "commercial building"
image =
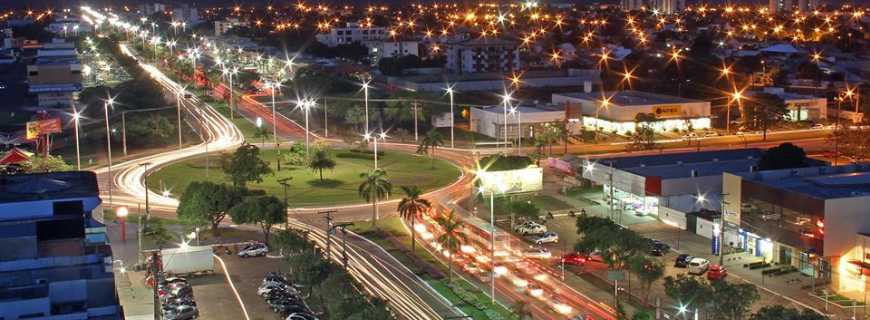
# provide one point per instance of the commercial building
(351, 33)
(813, 218)
(482, 55)
(56, 262)
(522, 120)
(671, 183)
(800, 107)
(68, 27)
(55, 75)
(616, 111)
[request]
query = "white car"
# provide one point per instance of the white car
(698, 266)
(526, 224)
(547, 237)
(254, 250)
(532, 229)
(538, 253)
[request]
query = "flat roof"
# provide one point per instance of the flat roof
(47, 186)
(523, 109)
(823, 182)
(681, 165)
(627, 98)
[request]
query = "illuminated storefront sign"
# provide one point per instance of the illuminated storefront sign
(659, 126)
(530, 179)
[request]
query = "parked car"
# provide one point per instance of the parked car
(181, 313)
(580, 259)
(301, 316)
(658, 248)
(717, 272)
(547, 237)
(254, 250)
(698, 266)
(682, 261)
(519, 226)
(538, 253)
(532, 229)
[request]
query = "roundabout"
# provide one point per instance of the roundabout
(339, 186)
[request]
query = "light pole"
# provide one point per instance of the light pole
(273, 85)
(306, 106)
(121, 214)
(76, 117)
(366, 86)
(106, 104)
(605, 103)
(124, 132)
(736, 96)
(450, 93)
(230, 73)
(493, 229)
(194, 54)
(179, 95)
(145, 175)
(505, 100)
(380, 136)
(517, 114)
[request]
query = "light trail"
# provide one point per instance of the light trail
(233, 287)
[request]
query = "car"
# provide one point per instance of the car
(538, 253)
(526, 224)
(698, 266)
(682, 260)
(658, 248)
(532, 229)
(717, 272)
(547, 237)
(254, 250)
(581, 259)
(181, 313)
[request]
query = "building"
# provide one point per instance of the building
(800, 107)
(672, 182)
(351, 33)
(55, 75)
(616, 111)
(56, 262)
(480, 55)
(632, 5)
(779, 6)
(587, 79)
(222, 26)
(814, 219)
(392, 49)
(187, 14)
(68, 27)
(668, 6)
(490, 121)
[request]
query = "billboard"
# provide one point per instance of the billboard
(40, 127)
(530, 179)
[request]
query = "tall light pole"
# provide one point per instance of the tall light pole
(106, 104)
(374, 138)
(452, 117)
(505, 100)
(273, 85)
(735, 97)
(230, 73)
(605, 104)
(179, 95)
(517, 114)
(194, 54)
(366, 86)
(76, 117)
(306, 106)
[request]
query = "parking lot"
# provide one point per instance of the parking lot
(218, 302)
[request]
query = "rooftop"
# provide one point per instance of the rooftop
(627, 98)
(43, 186)
(823, 182)
(681, 165)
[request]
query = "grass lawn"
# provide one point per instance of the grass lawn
(339, 186)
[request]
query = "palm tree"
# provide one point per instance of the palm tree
(452, 237)
(431, 141)
(320, 161)
(411, 207)
(373, 188)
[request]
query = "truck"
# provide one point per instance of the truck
(187, 260)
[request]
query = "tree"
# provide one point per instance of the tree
(643, 315)
(207, 203)
(266, 211)
(48, 163)
(643, 137)
(779, 312)
(852, 142)
(374, 187)
(648, 270)
(295, 154)
(732, 301)
(452, 237)
(245, 165)
(156, 231)
(784, 156)
(149, 130)
(410, 207)
(321, 160)
(616, 243)
(762, 111)
(688, 291)
(430, 142)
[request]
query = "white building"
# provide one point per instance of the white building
(490, 121)
(222, 26)
(351, 33)
(482, 55)
(68, 27)
(617, 111)
(392, 49)
(631, 5)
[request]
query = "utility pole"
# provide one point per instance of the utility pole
(325, 119)
(329, 228)
(124, 131)
(145, 174)
(154, 274)
(285, 182)
(343, 227)
(415, 104)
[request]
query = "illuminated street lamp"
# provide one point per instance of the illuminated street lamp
(229, 74)
(450, 93)
(178, 96)
(106, 104)
(121, 214)
(306, 106)
(366, 86)
(736, 96)
(517, 114)
(273, 86)
(506, 98)
(374, 138)
(605, 104)
(194, 54)
(76, 116)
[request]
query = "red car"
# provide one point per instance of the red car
(579, 259)
(716, 272)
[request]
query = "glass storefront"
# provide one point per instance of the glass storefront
(626, 201)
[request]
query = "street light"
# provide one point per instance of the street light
(380, 136)
(273, 85)
(736, 96)
(106, 104)
(230, 73)
(306, 106)
(506, 98)
(76, 117)
(178, 96)
(516, 111)
(121, 214)
(605, 104)
(450, 93)
(493, 229)
(194, 54)
(365, 87)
